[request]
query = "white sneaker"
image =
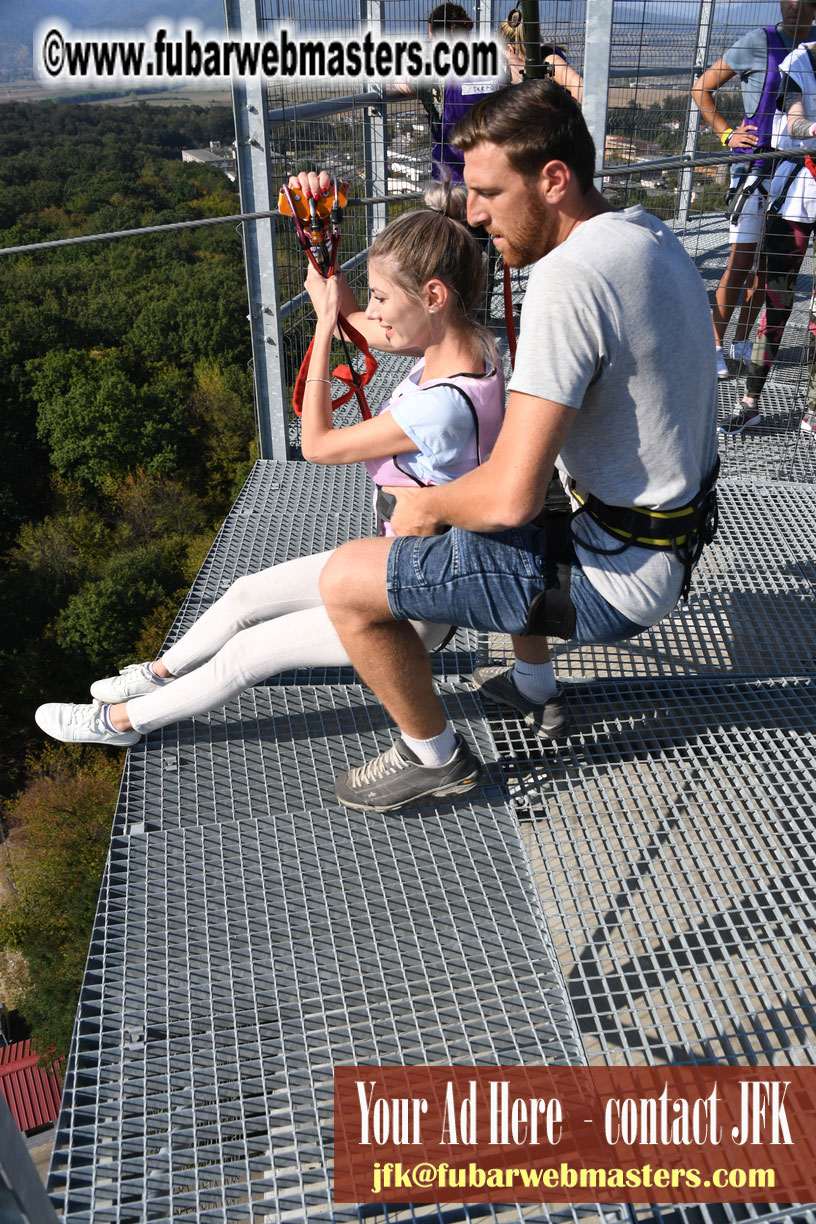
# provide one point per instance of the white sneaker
(741, 352)
(132, 681)
(81, 724)
(722, 369)
(808, 424)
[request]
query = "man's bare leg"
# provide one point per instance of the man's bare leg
(386, 653)
(531, 649)
(392, 661)
(740, 263)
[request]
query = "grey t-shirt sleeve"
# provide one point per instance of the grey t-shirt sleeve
(749, 54)
(749, 59)
(566, 335)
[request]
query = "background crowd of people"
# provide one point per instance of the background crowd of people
(772, 201)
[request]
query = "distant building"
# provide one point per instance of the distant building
(400, 186)
(624, 149)
(220, 157)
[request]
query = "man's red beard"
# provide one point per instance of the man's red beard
(533, 238)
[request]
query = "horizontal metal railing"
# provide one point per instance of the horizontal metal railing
(697, 161)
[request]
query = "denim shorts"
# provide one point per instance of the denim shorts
(488, 582)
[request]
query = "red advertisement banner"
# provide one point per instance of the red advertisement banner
(575, 1134)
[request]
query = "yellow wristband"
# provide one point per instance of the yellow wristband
(726, 136)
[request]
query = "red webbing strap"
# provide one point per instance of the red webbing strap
(811, 164)
(352, 379)
(509, 321)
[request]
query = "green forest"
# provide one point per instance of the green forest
(127, 430)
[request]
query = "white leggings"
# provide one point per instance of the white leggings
(266, 623)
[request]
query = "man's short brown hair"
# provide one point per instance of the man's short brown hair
(533, 123)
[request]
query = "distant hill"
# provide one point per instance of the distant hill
(19, 19)
(730, 12)
(680, 12)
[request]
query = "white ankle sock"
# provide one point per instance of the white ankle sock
(535, 681)
(436, 751)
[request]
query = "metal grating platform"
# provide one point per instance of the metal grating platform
(250, 935)
(775, 450)
(270, 750)
(673, 837)
(233, 965)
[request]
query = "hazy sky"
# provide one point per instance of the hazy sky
(132, 14)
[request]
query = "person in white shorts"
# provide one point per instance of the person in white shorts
(791, 222)
(755, 59)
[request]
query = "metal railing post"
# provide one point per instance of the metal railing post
(375, 153)
(705, 24)
(257, 194)
(483, 24)
(597, 55)
(532, 38)
(26, 1198)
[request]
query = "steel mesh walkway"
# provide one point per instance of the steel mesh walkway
(214, 1010)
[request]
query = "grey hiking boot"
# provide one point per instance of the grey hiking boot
(742, 418)
(396, 779)
(135, 680)
(551, 719)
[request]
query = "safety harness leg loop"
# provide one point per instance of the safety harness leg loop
(684, 531)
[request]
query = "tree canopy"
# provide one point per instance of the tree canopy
(127, 430)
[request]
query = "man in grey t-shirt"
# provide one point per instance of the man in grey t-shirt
(615, 381)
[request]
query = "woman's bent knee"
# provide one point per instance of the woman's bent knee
(238, 601)
(431, 636)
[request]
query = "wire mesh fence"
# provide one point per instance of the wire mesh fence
(658, 151)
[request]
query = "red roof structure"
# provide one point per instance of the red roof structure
(32, 1095)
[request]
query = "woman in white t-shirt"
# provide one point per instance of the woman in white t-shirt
(425, 276)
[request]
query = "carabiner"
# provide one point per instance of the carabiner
(323, 218)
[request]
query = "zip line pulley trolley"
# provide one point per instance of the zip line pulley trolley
(317, 225)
